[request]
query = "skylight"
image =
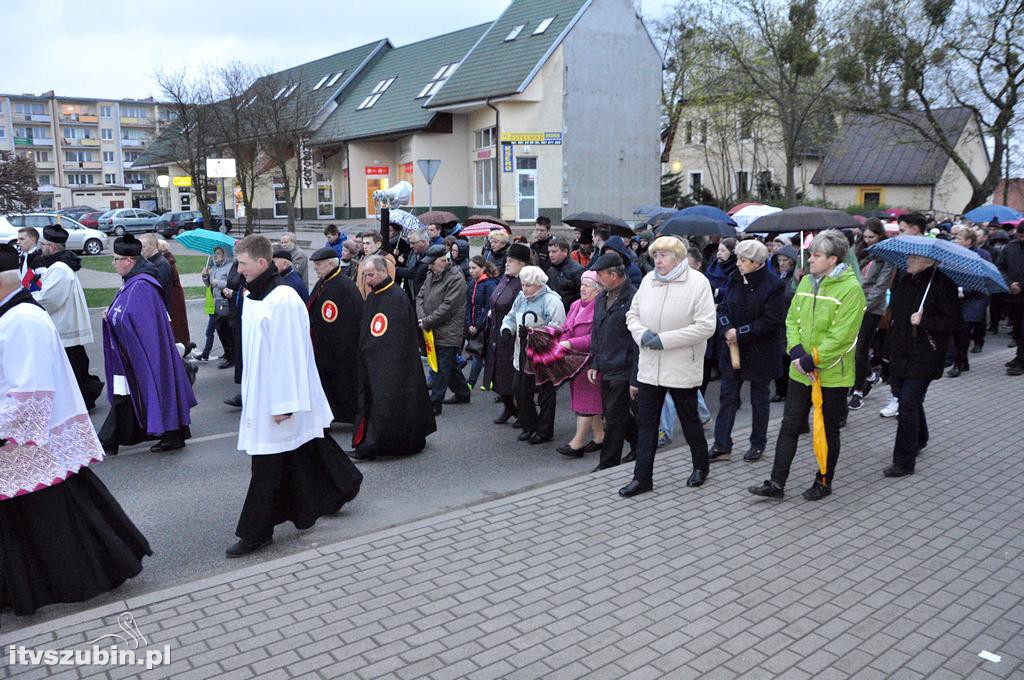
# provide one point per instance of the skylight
(280, 92)
(438, 81)
(379, 89)
(543, 26)
(514, 33)
(321, 81)
(290, 90)
(334, 78)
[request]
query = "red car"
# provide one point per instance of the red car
(91, 220)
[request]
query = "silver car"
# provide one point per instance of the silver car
(125, 220)
(81, 239)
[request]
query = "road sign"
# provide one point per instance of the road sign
(429, 168)
(220, 167)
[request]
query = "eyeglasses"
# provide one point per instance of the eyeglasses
(118, 258)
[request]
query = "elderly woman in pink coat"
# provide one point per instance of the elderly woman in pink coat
(586, 395)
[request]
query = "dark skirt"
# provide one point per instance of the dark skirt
(122, 428)
(297, 486)
(66, 543)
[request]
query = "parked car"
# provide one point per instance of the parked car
(91, 219)
(123, 220)
(218, 224)
(171, 224)
(75, 211)
(81, 239)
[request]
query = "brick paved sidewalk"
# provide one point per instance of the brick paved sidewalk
(905, 578)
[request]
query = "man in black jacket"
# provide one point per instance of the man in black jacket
(541, 242)
(1011, 263)
(615, 358)
(564, 275)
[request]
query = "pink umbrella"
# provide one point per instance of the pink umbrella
(479, 229)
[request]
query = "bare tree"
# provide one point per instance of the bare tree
(191, 138)
(17, 183)
(237, 130)
(683, 40)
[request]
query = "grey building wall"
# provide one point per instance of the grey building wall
(612, 112)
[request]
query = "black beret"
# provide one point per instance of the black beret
(324, 253)
(8, 257)
(433, 253)
(55, 234)
(607, 261)
(280, 253)
(521, 252)
(128, 245)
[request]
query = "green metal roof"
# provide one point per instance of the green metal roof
(496, 67)
(399, 108)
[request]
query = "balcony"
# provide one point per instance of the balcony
(137, 122)
(81, 141)
(88, 118)
(32, 118)
(82, 165)
(134, 142)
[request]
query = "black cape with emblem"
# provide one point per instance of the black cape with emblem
(395, 415)
(335, 311)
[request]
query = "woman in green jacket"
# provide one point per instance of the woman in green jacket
(824, 317)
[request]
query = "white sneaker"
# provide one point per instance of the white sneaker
(892, 409)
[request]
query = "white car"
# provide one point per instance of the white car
(80, 239)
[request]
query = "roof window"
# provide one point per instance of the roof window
(514, 33)
(320, 82)
(378, 89)
(543, 26)
(438, 81)
(334, 78)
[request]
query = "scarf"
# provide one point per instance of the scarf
(674, 274)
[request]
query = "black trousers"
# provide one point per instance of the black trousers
(1016, 314)
(619, 422)
(868, 328)
(969, 330)
(912, 426)
(996, 311)
(649, 402)
(794, 418)
(90, 386)
(530, 396)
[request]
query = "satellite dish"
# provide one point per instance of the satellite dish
(395, 197)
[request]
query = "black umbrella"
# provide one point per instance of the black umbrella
(694, 225)
(592, 220)
(802, 218)
(658, 219)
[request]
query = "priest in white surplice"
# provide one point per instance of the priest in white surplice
(299, 473)
(61, 294)
(63, 537)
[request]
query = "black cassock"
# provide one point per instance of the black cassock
(395, 415)
(335, 312)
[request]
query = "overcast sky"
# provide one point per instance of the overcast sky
(109, 48)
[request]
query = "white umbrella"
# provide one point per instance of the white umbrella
(744, 217)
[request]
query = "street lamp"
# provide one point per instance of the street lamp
(163, 181)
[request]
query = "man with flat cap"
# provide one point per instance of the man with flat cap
(290, 277)
(60, 293)
(335, 310)
(150, 396)
(395, 416)
(65, 538)
(441, 309)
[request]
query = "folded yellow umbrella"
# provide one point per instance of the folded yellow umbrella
(820, 443)
(428, 342)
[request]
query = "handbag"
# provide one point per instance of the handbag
(475, 345)
(221, 307)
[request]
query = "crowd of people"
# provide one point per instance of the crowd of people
(637, 328)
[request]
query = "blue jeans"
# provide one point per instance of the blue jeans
(476, 365)
(448, 375)
(669, 416)
(730, 402)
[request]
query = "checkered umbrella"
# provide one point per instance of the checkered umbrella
(966, 268)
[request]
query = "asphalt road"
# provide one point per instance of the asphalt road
(187, 502)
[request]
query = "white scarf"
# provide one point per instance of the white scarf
(674, 274)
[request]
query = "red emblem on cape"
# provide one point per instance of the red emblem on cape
(329, 311)
(378, 325)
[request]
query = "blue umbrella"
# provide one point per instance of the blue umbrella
(694, 225)
(709, 211)
(205, 240)
(965, 267)
(985, 213)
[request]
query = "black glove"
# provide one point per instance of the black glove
(506, 333)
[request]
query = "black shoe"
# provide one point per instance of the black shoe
(768, 489)
(570, 452)
(244, 547)
(977, 348)
(592, 447)
(697, 477)
(436, 405)
(856, 401)
(360, 455)
(503, 418)
(235, 401)
(817, 491)
(1015, 370)
(1012, 343)
(716, 454)
(634, 488)
(525, 436)
(777, 398)
(954, 372)
(517, 424)
(456, 400)
(630, 457)
(602, 466)
(1014, 362)
(539, 439)
(896, 471)
(226, 364)
(753, 454)
(167, 445)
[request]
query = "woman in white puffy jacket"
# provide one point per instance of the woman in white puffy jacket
(671, 319)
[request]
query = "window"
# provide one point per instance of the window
(43, 180)
(688, 137)
(78, 156)
(110, 178)
(133, 133)
(135, 178)
(290, 90)
(32, 132)
(76, 133)
(335, 77)
(742, 183)
(41, 156)
(321, 81)
(29, 108)
(108, 156)
(133, 112)
(79, 179)
(514, 33)
(130, 156)
(696, 182)
(746, 128)
(704, 131)
(3, 132)
(106, 133)
(484, 195)
(439, 79)
(105, 112)
(484, 139)
(280, 92)
(543, 26)
(378, 89)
